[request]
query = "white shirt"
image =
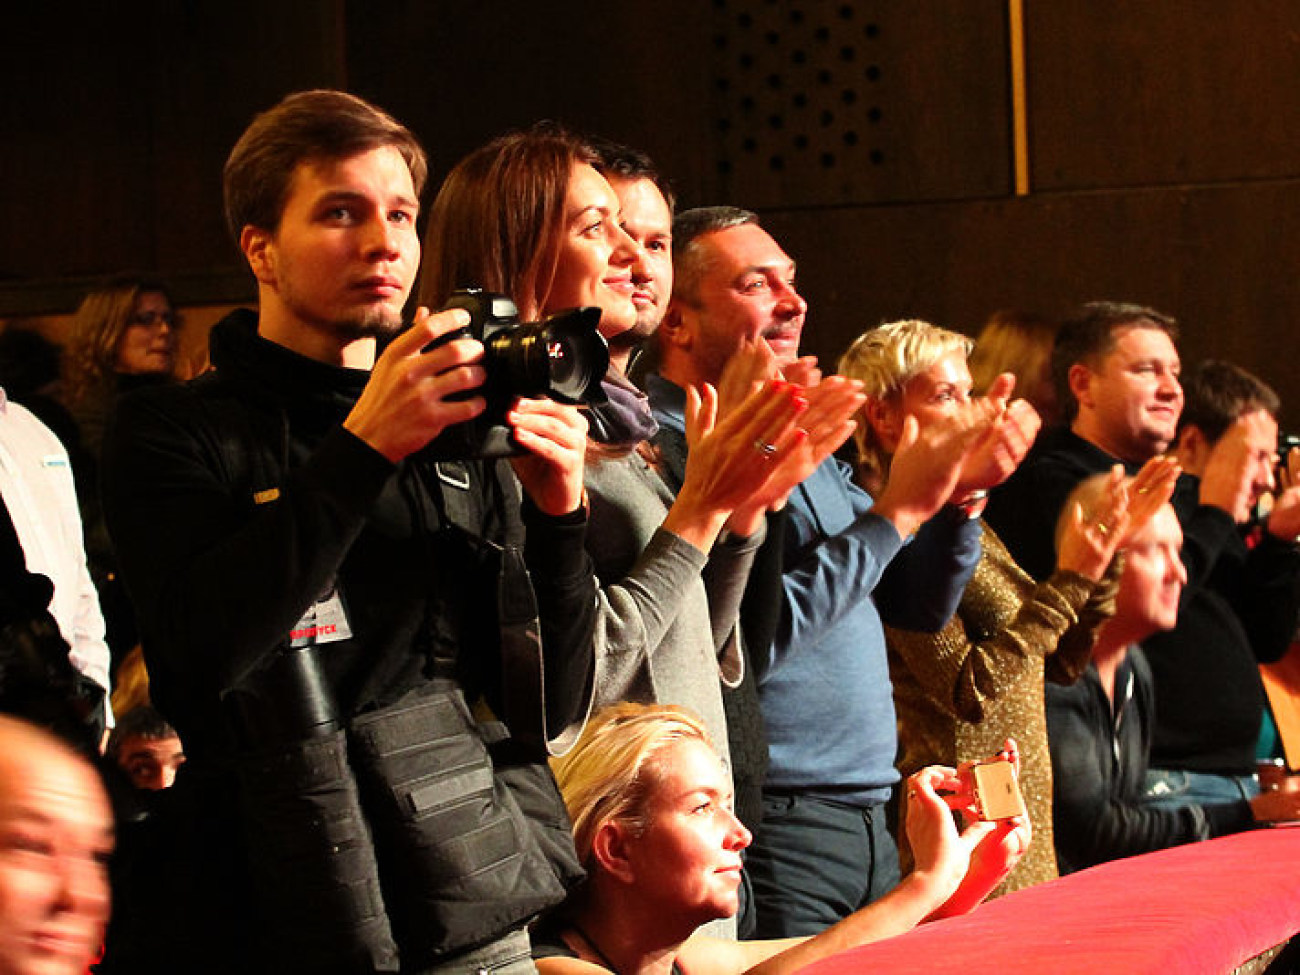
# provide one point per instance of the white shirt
(37, 486)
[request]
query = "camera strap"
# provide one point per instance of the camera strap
(522, 672)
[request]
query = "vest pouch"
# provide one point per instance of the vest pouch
(458, 859)
(312, 860)
(535, 791)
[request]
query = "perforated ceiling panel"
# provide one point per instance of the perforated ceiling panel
(833, 102)
(798, 105)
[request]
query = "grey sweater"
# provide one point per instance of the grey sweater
(666, 631)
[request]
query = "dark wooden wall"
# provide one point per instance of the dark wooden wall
(874, 136)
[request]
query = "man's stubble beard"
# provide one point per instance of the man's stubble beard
(376, 323)
(635, 336)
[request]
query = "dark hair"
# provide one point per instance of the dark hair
(1216, 393)
(689, 226)
(29, 362)
(142, 722)
(1088, 335)
(614, 159)
(498, 219)
(319, 125)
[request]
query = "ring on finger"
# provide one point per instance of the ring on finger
(765, 448)
(1102, 529)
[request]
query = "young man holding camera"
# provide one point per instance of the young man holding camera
(322, 605)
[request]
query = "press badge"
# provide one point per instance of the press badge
(326, 621)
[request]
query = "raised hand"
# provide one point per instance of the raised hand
(1149, 490)
(1006, 442)
(992, 848)
(937, 848)
(1228, 481)
(406, 400)
(802, 372)
(751, 364)
(927, 464)
(1089, 542)
(554, 439)
(828, 422)
(1284, 518)
(731, 457)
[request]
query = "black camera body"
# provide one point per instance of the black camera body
(563, 357)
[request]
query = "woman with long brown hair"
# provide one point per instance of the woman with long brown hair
(123, 336)
(529, 216)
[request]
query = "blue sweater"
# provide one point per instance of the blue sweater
(824, 682)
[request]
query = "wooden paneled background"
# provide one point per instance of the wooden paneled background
(874, 136)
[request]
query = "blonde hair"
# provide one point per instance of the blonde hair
(885, 359)
(617, 763)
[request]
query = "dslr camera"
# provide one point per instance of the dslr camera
(563, 357)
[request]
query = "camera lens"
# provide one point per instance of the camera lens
(563, 357)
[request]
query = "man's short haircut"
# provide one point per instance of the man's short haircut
(142, 722)
(1216, 393)
(615, 160)
(689, 261)
(308, 126)
(1088, 335)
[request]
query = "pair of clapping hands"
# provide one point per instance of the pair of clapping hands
(950, 460)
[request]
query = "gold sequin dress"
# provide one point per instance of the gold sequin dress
(962, 691)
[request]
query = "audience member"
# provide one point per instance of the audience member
(962, 691)
(1019, 343)
(31, 374)
(823, 848)
(56, 835)
(651, 808)
(146, 747)
(646, 202)
(1211, 700)
(1118, 370)
(43, 562)
(318, 598)
(1100, 729)
(123, 335)
(672, 569)
(646, 213)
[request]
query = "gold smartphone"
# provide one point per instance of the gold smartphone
(996, 790)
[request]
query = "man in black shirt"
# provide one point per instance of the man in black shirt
(1117, 371)
(322, 604)
(1100, 728)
